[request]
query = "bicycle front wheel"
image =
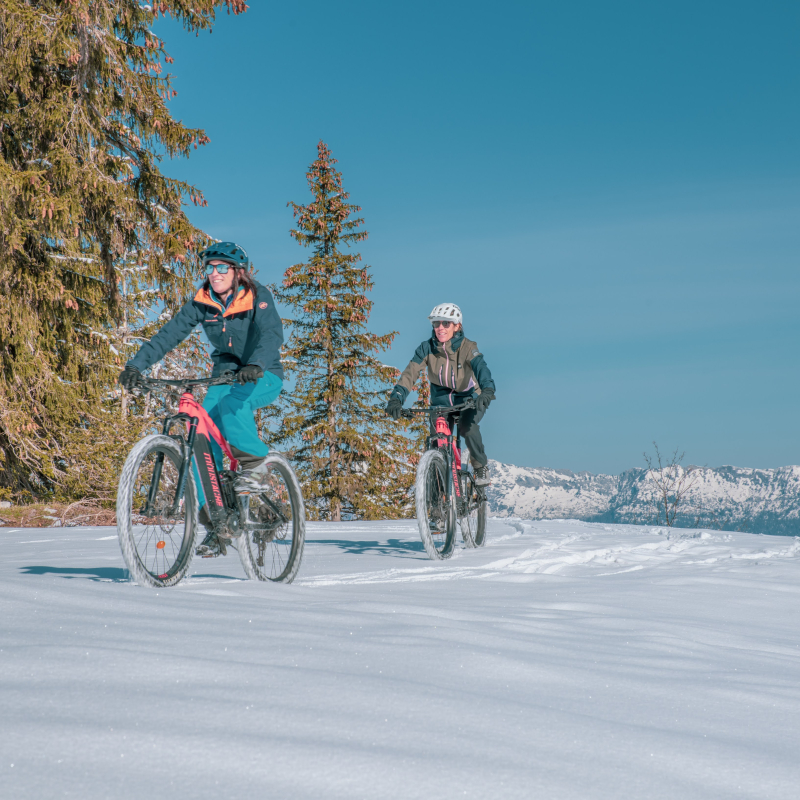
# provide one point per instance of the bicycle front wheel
(472, 512)
(157, 542)
(436, 515)
(274, 533)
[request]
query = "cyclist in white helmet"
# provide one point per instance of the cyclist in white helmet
(457, 372)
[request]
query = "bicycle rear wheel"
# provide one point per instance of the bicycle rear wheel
(157, 546)
(473, 518)
(274, 532)
(436, 516)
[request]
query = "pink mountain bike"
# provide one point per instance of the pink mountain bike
(445, 489)
(171, 481)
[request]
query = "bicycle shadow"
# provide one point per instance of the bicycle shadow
(212, 575)
(391, 547)
(105, 574)
(114, 574)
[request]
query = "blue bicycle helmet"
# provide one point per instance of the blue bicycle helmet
(226, 251)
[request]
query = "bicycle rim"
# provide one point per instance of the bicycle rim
(272, 541)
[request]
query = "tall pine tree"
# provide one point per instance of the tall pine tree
(84, 123)
(353, 461)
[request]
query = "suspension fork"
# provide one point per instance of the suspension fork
(186, 465)
(148, 509)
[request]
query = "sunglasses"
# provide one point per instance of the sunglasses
(222, 269)
(439, 323)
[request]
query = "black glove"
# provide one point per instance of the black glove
(482, 401)
(393, 408)
(130, 378)
(252, 373)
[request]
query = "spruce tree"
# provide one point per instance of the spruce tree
(353, 461)
(84, 124)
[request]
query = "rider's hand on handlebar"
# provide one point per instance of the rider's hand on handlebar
(130, 378)
(393, 408)
(252, 373)
(484, 398)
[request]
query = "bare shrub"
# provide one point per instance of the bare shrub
(671, 482)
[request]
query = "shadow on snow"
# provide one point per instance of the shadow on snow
(392, 547)
(92, 573)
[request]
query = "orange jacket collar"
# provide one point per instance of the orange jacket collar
(242, 302)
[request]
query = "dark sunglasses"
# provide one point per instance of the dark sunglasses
(442, 324)
(222, 269)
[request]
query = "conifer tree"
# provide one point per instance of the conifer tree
(353, 461)
(84, 123)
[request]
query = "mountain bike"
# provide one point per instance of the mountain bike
(171, 481)
(445, 489)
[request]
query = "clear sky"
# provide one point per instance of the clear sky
(608, 190)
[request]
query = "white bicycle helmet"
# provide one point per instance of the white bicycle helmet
(446, 312)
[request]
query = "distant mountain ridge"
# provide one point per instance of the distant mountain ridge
(731, 498)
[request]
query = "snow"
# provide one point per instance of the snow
(563, 660)
(60, 257)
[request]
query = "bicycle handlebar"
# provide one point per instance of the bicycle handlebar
(439, 410)
(148, 384)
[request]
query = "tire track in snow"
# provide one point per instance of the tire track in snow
(554, 556)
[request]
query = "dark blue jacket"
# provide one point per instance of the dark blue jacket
(248, 331)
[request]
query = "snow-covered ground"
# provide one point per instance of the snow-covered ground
(563, 660)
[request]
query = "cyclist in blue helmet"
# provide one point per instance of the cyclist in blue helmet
(240, 320)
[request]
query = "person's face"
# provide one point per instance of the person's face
(220, 283)
(445, 330)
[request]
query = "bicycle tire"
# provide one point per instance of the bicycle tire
(268, 549)
(436, 517)
(144, 540)
(472, 523)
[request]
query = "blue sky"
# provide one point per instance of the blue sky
(609, 191)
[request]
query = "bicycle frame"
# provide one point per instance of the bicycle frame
(225, 508)
(201, 457)
(446, 442)
(219, 501)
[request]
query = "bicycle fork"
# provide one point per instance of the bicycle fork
(183, 474)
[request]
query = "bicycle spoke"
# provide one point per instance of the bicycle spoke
(159, 539)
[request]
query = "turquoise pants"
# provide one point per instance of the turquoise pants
(232, 409)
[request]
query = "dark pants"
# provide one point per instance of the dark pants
(471, 433)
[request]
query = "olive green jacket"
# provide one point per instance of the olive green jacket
(456, 371)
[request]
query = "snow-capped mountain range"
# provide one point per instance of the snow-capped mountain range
(730, 498)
